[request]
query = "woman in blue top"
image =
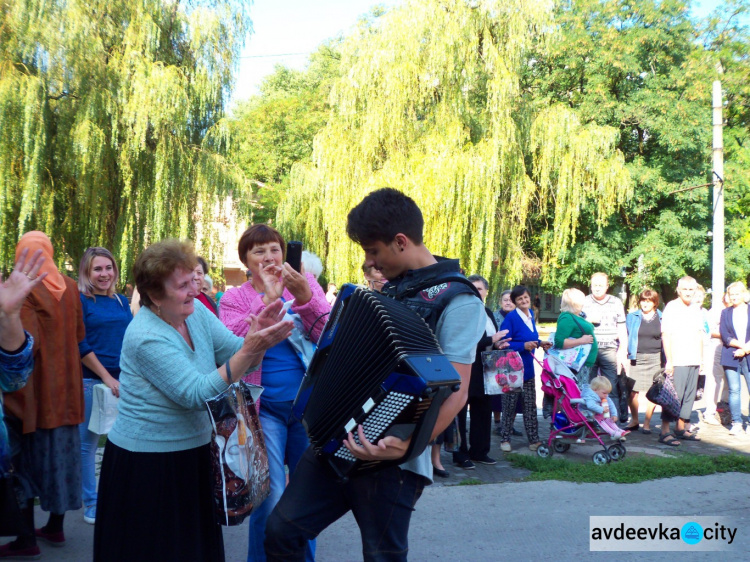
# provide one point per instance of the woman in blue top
(106, 315)
(524, 338)
(156, 486)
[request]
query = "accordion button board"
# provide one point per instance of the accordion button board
(378, 365)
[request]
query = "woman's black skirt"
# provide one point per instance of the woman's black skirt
(156, 506)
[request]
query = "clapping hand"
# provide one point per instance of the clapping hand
(278, 277)
(267, 329)
(16, 288)
(499, 341)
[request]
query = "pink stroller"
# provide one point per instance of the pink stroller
(570, 423)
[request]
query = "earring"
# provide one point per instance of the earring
(401, 248)
(158, 310)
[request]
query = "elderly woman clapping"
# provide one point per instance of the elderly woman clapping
(155, 491)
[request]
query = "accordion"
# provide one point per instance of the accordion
(378, 364)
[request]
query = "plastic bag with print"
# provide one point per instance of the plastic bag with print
(503, 371)
(239, 462)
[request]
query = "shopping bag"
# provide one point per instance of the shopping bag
(103, 409)
(573, 358)
(663, 393)
(239, 463)
(503, 371)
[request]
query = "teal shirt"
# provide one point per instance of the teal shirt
(164, 383)
(568, 328)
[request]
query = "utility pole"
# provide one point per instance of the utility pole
(717, 273)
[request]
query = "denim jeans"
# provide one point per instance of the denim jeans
(734, 383)
(382, 503)
(89, 442)
(286, 441)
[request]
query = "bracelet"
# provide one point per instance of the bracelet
(229, 372)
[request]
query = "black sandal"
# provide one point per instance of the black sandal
(669, 439)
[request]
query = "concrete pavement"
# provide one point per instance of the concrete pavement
(511, 520)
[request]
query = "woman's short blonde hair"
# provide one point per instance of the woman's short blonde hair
(737, 285)
(85, 286)
(600, 383)
(159, 261)
(572, 301)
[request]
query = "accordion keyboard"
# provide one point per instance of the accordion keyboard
(377, 421)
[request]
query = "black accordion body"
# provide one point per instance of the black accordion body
(378, 364)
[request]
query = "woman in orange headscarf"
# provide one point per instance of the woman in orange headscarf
(43, 416)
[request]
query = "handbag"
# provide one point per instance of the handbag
(10, 510)
(103, 409)
(663, 393)
(574, 357)
(503, 371)
(239, 463)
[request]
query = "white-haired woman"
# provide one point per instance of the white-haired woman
(573, 330)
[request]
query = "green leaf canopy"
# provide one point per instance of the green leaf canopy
(430, 102)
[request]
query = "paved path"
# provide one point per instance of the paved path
(512, 520)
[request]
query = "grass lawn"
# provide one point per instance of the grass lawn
(631, 469)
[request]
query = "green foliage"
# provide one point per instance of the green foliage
(430, 102)
(645, 69)
(111, 113)
(276, 129)
(631, 469)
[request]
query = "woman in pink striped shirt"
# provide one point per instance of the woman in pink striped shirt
(261, 249)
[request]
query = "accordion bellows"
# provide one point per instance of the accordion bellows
(377, 364)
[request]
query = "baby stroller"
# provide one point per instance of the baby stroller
(571, 422)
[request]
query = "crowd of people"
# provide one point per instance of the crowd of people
(175, 347)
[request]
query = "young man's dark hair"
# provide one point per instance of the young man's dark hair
(382, 214)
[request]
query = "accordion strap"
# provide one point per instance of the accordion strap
(400, 292)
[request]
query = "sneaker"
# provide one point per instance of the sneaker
(505, 447)
(53, 539)
(89, 514)
(485, 460)
(534, 446)
(30, 553)
(736, 429)
(465, 464)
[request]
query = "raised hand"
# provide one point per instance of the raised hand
(16, 288)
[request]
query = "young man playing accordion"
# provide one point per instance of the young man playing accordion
(388, 225)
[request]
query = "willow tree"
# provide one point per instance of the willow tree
(111, 119)
(430, 103)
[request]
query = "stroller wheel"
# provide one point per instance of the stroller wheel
(544, 451)
(560, 447)
(616, 452)
(601, 457)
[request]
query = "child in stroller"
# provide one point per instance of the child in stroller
(597, 400)
(571, 421)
